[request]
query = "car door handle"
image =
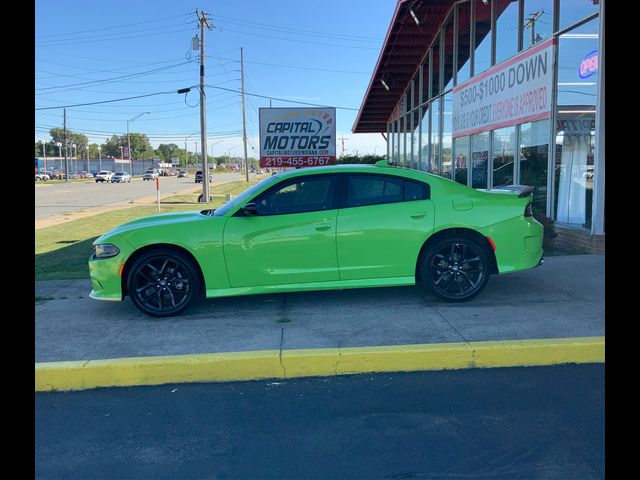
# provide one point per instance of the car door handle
(418, 216)
(323, 226)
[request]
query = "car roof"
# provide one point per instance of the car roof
(362, 168)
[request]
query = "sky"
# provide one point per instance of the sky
(94, 51)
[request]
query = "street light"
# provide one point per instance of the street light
(44, 154)
(100, 156)
(129, 142)
(59, 145)
(74, 152)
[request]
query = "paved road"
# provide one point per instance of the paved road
(508, 423)
(53, 200)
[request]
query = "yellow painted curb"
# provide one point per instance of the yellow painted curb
(234, 366)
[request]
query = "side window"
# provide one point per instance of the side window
(416, 191)
(377, 189)
(373, 190)
(307, 194)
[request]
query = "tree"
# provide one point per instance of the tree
(112, 146)
(166, 151)
(78, 139)
(360, 159)
(139, 143)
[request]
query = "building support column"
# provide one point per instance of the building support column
(597, 217)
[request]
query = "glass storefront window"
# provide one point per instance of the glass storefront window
(482, 55)
(464, 42)
(538, 21)
(504, 151)
(424, 136)
(461, 164)
(447, 58)
(534, 157)
(392, 140)
(434, 166)
(435, 74)
(575, 124)
(425, 79)
(396, 153)
(447, 124)
(479, 159)
(415, 144)
(405, 144)
(506, 29)
(572, 11)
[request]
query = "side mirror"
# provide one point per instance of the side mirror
(250, 209)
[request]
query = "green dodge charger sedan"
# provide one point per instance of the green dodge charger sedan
(322, 228)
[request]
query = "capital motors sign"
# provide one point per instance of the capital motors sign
(297, 137)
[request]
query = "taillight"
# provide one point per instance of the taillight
(528, 211)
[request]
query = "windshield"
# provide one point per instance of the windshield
(244, 196)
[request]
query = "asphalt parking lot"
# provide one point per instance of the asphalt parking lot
(506, 423)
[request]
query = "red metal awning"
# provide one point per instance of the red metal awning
(404, 47)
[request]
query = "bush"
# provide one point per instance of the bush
(549, 229)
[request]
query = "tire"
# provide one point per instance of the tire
(455, 269)
(162, 282)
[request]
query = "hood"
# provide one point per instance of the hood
(156, 221)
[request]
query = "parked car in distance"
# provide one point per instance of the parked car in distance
(323, 228)
(183, 174)
(150, 174)
(42, 176)
(121, 177)
(198, 177)
(104, 176)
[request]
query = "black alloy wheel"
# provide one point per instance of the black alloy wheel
(455, 269)
(162, 282)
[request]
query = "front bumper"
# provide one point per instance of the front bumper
(105, 277)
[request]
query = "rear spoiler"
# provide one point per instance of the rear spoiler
(523, 190)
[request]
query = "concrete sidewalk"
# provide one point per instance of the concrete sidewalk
(564, 298)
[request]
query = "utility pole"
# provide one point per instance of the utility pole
(530, 22)
(66, 163)
(244, 121)
(203, 109)
(186, 156)
(343, 139)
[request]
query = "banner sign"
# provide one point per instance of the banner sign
(297, 137)
(516, 91)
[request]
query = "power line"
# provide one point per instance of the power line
(117, 78)
(111, 28)
(109, 101)
(299, 41)
(85, 41)
(303, 31)
(283, 99)
(306, 68)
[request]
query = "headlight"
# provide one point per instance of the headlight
(105, 251)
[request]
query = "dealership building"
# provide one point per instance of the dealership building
(491, 93)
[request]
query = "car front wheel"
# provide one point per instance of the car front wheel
(455, 269)
(162, 282)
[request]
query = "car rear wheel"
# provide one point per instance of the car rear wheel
(455, 269)
(162, 282)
